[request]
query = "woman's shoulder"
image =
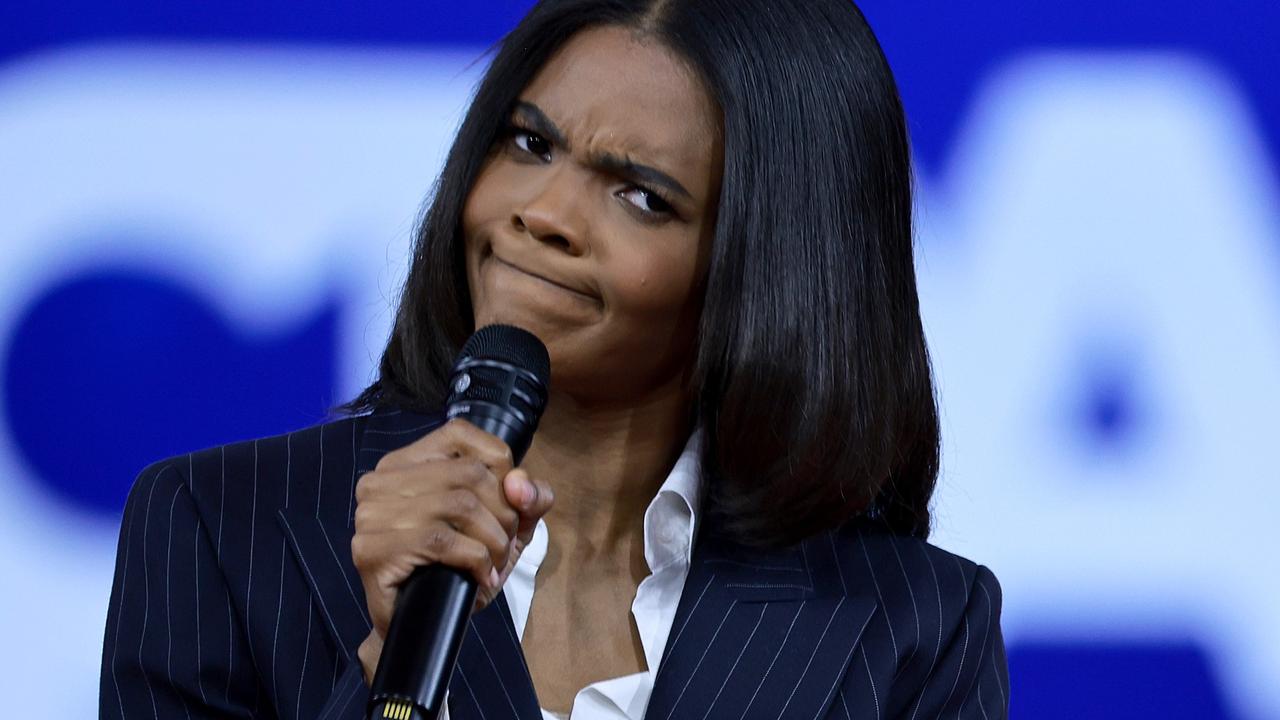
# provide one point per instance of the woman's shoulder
(236, 463)
(886, 553)
(928, 599)
(311, 466)
(934, 635)
(906, 571)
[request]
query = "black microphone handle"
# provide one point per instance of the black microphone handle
(422, 643)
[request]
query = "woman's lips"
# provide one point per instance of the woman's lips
(544, 279)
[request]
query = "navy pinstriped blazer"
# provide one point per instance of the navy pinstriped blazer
(235, 596)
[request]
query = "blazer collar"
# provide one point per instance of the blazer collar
(759, 633)
(755, 633)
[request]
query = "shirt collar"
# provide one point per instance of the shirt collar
(670, 525)
(671, 520)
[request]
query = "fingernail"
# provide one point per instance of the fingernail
(530, 493)
(493, 577)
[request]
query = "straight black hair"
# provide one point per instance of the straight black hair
(812, 377)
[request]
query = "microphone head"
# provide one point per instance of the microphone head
(509, 344)
(499, 383)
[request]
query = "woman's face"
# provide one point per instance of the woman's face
(591, 222)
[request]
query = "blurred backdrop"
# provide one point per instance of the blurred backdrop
(205, 210)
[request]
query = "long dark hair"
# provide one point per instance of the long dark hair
(812, 378)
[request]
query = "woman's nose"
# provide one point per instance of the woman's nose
(553, 213)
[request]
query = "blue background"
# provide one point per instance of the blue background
(154, 356)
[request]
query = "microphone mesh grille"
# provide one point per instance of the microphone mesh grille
(512, 345)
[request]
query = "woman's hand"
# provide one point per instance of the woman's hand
(452, 497)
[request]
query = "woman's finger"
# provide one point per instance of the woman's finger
(531, 497)
(455, 439)
(369, 652)
(469, 513)
(406, 487)
(385, 561)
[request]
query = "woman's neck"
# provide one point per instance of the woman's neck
(605, 464)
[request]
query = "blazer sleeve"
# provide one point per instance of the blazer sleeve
(970, 678)
(174, 646)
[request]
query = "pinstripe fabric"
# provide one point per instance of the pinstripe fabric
(235, 596)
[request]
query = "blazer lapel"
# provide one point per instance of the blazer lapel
(324, 554)
(322, 545)
(491, 679)
(758, 634)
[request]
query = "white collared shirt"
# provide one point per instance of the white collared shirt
(670, 525)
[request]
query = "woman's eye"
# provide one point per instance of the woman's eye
(532, 143)
(647, 201)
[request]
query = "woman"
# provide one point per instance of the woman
(703, 208)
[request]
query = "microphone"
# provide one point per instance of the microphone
(498, 384)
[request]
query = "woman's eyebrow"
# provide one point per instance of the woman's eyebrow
(635, 171)
(608, 162)
(540, 123)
